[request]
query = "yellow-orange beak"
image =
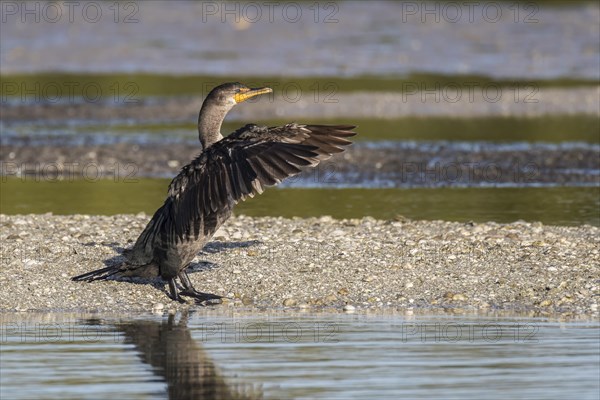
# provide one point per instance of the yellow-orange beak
(248, 93)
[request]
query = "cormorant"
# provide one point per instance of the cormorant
(202, 196)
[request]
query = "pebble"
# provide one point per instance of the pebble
(289, 302)
(247, 301)
(459, 297)
(349, 308)
(330, 298)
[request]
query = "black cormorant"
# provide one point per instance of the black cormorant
(229, 169)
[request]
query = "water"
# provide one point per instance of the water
(549, 205)
(492, 129)
(500, 39)
(561, 189)
(213, 355)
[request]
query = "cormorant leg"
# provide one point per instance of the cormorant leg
(188, 290)
(173, 289)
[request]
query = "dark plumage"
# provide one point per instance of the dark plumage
(201, 197)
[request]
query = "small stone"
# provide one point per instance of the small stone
(247, 301)
(349, 308)
(459, 297)
(330, 298)
(289, 302)
(566, 299)
(545, 303)
(343, 292)
(408, 285)
(237, 271)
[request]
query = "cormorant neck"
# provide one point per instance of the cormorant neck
(209, 122)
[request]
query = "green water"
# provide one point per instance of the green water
(556, 205)
(137, 85)
(550, 129)
(554, 129)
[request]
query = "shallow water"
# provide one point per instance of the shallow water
(300, 356)
(500, 39)
(377, 194)
(546, 129)
(549, 205)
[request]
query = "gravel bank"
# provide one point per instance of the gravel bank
(545, 101)
(317, 263)
(390, 165)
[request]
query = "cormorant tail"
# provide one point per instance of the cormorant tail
(98, 275)
(124, 269)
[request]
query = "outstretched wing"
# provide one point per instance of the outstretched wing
(241, 165)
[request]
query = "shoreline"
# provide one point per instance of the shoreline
(313, 264)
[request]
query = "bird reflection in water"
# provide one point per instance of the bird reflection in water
(175, 356)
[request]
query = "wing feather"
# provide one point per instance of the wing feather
(241, 165)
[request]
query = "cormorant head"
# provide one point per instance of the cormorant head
(216, 106)
(230, 94)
